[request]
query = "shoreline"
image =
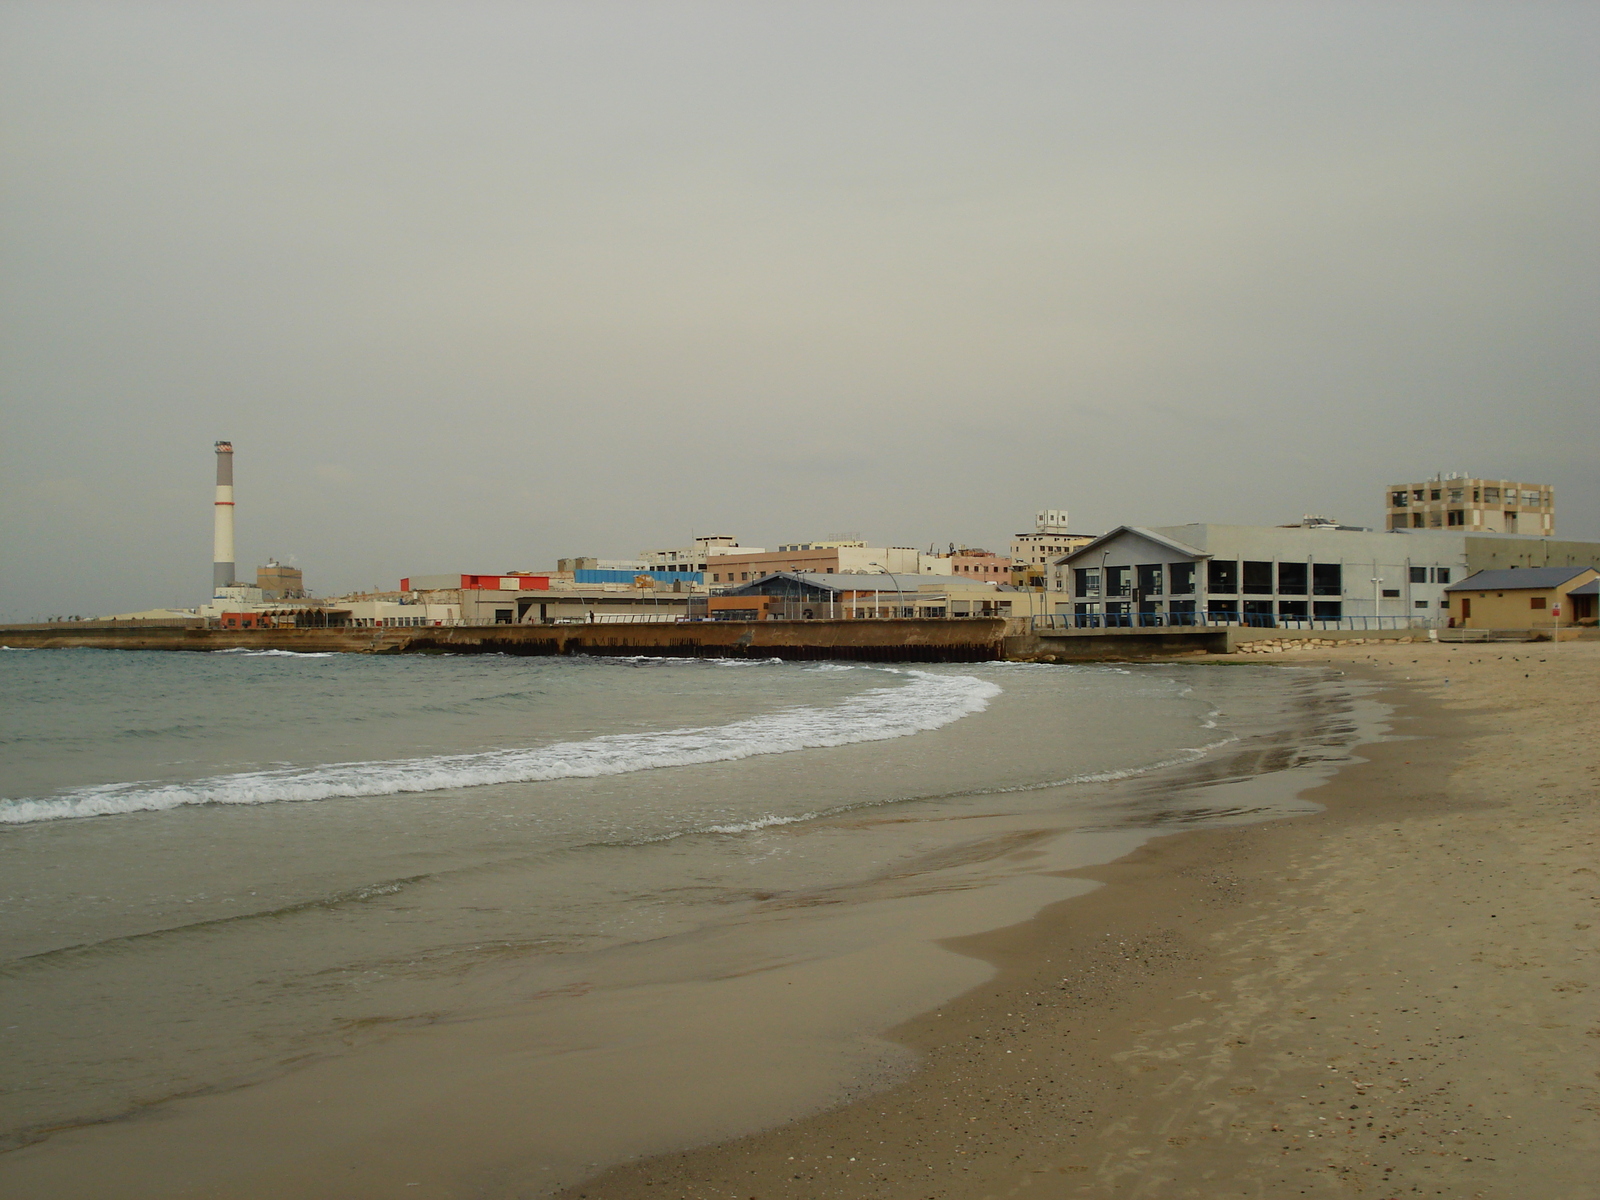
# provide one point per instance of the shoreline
(1388, 997)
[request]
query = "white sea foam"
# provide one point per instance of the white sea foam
(925, 701)
(277, 653)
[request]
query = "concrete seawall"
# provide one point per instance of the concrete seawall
(978, 639)
(975, 640)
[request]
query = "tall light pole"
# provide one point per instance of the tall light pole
(1377, 596)
(892, 577)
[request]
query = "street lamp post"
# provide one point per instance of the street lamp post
(891, 576)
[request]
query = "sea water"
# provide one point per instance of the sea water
(216, 866)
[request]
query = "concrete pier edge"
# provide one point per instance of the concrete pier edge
(978, 639)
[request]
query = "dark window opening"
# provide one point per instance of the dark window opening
(1087, 581)
(1327, 579)
(1181, 576)
(1455, 517)
(1222, 576)
(1117, 581)
(502, 616)
(1180, 612)
(1222, 608)
(1419, 574)
(1292, 578)
(1327, 610)
(1150, 579)
(1293, 610)
(1441, 574)
(1391, 593)
(1257, 578)
(1536, 602)
(1258, 612)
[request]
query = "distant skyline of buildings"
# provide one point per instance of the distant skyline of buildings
(1193, 568)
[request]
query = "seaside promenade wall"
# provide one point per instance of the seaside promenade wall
(976, 639)
(949, 640)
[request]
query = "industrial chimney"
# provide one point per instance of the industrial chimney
(222, 537)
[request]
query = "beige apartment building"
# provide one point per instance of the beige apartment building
(821, 558)
(1469, 505)
(969, 563)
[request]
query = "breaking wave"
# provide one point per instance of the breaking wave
(925, 701)
(246, 653)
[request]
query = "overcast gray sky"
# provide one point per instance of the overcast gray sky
(474, 285)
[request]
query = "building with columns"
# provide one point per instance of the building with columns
(1254, 574)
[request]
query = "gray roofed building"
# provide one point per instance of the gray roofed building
(799, 582)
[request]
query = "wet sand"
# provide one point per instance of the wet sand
(1393, 997)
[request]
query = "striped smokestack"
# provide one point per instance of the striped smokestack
(222, 536)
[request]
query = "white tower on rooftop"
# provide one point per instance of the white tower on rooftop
(1050, 520)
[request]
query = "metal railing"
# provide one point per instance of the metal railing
(1219, 620)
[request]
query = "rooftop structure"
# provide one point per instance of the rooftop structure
(279, 582)
(696, 556)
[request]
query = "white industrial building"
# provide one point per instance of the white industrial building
(1181, 574)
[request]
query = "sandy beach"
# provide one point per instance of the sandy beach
(1393, 997)
(1388, 995)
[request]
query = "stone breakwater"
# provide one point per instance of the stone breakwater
(1278, 645)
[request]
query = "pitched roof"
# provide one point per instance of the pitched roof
(839, 582)
(1517, 579)
(1139, 531)
(1592, 588)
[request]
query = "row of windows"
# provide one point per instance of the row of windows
(1480, 495)
(1450, 517)
(1182, 612)
(1226, 576)
(1430, 574)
